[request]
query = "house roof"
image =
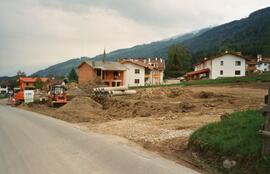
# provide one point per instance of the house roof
(252, 62)
(220, 55)
(139, 63)
(33, 79)
(105, 65)
(202, 71)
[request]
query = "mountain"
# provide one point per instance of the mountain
(249, 35)
(154, 49)
(60, 69)
(3, 78)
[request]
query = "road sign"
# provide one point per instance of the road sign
(28, 96)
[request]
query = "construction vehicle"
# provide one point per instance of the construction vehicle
(57, 96)
(17, 96)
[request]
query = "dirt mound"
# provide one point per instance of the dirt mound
(121, 108)
(81, 109)
(163, 92)
(73, 92)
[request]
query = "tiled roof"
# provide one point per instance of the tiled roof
(139, 63)
(220, 55)
(106, 65)
(202, 71)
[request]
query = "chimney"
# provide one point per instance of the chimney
(161, 60)
(149, 60)
(156, 58)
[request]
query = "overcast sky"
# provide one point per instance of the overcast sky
(35, 34)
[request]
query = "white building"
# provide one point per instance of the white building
(135, 73)
(3, 89)
(225, 65)
(263, 64)
(143, 72)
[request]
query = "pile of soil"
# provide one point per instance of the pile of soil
(162, 92)
(120, 108)
(81, 109)
(74, 92)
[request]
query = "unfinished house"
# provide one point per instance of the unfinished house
(110, 73)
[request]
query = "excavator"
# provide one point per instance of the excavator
(57, 96)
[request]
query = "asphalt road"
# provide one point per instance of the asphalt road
(34, 144)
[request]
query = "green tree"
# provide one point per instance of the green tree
(72, 76)
(178, 62)
(39, 84)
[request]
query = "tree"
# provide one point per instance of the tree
(178, 62)
(72, 76)
(21, 74)
(39, 84)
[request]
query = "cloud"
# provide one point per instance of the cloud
(37, 33)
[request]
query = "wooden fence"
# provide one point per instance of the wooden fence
(266, 127)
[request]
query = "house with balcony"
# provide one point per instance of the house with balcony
(109, 72)
(224, 65)
(29, 82)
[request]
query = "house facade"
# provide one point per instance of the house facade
(135, 73)
(29, 82)
(263, 64)
(108, 72)
(153, 68)
(4, 88)
(225, 65)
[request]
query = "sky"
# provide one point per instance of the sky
(35, 34)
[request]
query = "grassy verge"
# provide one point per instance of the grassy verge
(265, 77)
(235, 138)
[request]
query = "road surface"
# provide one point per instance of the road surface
(34, 144)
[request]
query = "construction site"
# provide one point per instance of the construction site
(160, 119)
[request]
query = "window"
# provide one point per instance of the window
(137, 81)
(265, 64)
(116, 73)
(99, 72)
(137, 71)
(221, 63)
(237, 72)
(265, 69)
(221, 72)
(237, 63)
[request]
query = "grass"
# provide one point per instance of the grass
(234, 138)
(265, 77)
